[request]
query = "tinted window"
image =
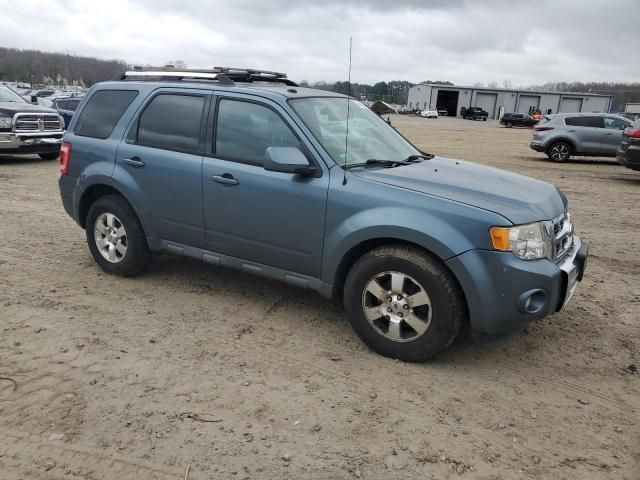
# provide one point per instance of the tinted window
(62, 104)
(72, 104)
(596, 122)
(244, 131)
(172, 122)
(102, 112)
(615, 123)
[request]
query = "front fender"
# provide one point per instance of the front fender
(423, 228)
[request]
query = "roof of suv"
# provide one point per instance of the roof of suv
(254, 87)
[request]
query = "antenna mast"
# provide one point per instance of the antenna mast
(346, 138)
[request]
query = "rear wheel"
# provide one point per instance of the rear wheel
(49, 156)
(403, 303)
(508, 125)
(116, 238)
(559, 152)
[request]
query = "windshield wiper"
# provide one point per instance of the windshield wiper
(418, 157)
(377, 161)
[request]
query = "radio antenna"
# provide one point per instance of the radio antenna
(346, 137)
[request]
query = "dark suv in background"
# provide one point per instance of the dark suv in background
(629, 152)
(244, 169)
(517, 120)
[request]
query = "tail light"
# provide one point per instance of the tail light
(633, 132)
(542, 129)
(65, 158)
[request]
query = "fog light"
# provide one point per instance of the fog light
(532, 301)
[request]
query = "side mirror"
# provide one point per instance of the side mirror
(34, 99)
(287, 160)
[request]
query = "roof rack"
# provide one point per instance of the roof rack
(223, 75)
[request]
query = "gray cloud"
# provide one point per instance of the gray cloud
(462, 41)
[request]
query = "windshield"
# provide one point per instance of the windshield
(369, 136)
(45, 102)
(8, 95)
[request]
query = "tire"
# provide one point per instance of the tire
(439, 319)
(559, 151)
(49, 156)
(508, 124)
(484, 119)
(111, 214)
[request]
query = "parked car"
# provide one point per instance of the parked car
(443, 112)
(27, 128)
(629, 151)
(247, 170)
(517, 120)
(65, 106)
(429, 113)
(587, 134)
(474, 113)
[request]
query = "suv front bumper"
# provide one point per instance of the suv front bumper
(504, 293)
(30, 142)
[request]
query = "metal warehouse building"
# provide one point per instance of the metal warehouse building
(497, 100)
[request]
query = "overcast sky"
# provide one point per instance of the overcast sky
(525, 41)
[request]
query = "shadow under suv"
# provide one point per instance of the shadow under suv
(244, 169)
(586, 134)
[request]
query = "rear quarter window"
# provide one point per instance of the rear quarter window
(102, 112)
(595, 122)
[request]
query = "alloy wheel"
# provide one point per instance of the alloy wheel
(110, 237)
(397, 306)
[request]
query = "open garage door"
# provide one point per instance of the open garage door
(448, 100)
(487, 101)
(570, 105)
(526, 102)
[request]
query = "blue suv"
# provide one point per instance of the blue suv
(243, 169)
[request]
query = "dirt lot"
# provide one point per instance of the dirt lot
(239, 377)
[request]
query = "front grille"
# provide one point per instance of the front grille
(37, 123)
(562, 236)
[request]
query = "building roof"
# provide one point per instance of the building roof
(512, 90)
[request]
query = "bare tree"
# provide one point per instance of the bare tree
(507, 84)
(178, 63)
(492, 84)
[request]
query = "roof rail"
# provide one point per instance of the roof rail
(224, 75)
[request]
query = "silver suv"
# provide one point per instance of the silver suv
(586, 134)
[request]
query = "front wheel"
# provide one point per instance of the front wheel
(559, 152)
(404, 303)
(116, 238)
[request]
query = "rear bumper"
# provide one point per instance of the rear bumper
(68, 186)
(537, 146)
(48, 142)
(630, 157)
(504, 293)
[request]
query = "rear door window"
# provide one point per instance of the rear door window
(244, 130)
(102, 112)
(172, 122)
(594, 122)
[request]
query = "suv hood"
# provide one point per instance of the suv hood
(11, 108)
(518, 198)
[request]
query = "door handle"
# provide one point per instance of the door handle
(225, 179)
(135, 162)
(572, 131)
(607, 133)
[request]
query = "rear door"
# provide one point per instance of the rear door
(271, 218)
(612, 134)
(160, 164)
(586, 132)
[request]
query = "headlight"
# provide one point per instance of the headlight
(5, 122)
(529, 242)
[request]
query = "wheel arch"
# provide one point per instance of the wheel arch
(357, 251)
(93, 193)
(572, 144)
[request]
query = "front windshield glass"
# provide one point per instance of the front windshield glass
(369, 136)
(8, 95)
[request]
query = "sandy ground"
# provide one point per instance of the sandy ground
(231, 376)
